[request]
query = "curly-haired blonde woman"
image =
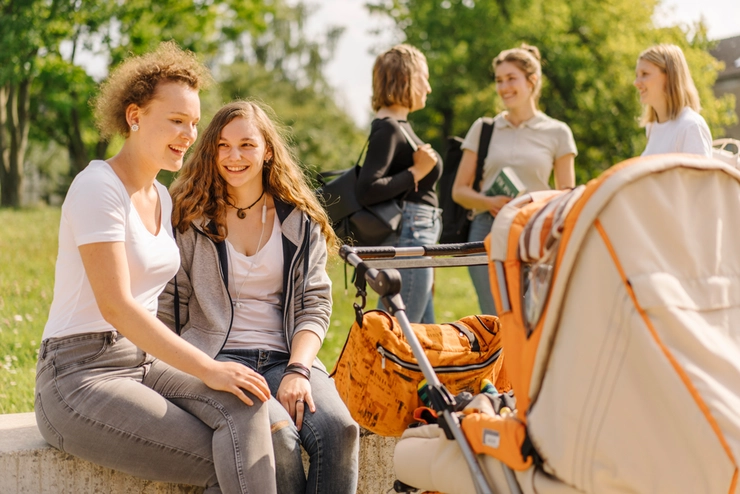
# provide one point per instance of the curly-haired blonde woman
(671, 117)
(114, 385)
(253, 288)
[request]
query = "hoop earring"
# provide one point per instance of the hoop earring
(135, 127)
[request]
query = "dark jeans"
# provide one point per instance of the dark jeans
(329, 436)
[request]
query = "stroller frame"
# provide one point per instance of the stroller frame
(386, 282)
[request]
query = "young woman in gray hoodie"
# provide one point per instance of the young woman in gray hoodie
(253, 288)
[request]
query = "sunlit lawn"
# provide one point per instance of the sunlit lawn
(28, 249)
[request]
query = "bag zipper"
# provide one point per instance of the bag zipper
(442, 369)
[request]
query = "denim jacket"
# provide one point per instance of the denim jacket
(206, 312)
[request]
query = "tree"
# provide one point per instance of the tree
(28, 28)
(283, 67)
(264, 36)
(63, 90)
(589, 51)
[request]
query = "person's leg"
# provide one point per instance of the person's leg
(242, 443)
(421, 226)
(330, 436)
(90, 403)
(479, 228)
(286, 442)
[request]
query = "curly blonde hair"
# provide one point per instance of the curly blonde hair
(527, 59)
(680, 90)
(135, 81)
(200, 191)
(393, 76)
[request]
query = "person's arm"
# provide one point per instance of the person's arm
(312, 310)
(106, 267)
(294, 392)
(374, 183)
(565, 173)
(463, 192)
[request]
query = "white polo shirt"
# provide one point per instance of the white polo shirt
(530, 149)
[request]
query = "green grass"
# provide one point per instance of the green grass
(28, 249)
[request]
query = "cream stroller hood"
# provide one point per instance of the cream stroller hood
(636, 384)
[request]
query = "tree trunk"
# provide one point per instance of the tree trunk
(17, 123)
(4, 148)
(78, 156)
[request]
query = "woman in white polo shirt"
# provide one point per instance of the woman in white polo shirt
(524, 139)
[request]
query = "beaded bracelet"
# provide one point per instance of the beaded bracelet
(298, 368)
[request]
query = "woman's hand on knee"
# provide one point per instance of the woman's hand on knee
(237, 378)
(294, 394)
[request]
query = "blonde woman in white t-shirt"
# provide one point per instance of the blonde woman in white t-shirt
(671, 117)
(114, 385)
(524, 139)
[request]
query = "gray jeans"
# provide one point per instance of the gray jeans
(101, 398)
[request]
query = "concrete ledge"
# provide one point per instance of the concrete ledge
(28, 465)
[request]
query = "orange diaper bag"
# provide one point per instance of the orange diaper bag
(377, 375)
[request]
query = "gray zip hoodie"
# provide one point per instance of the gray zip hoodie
(206, 313)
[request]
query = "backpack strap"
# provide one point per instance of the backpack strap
(486, 133)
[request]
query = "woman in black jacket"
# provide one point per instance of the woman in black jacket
(398, 165)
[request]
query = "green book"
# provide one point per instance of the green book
(506, 183)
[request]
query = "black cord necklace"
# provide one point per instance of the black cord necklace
(241, 213)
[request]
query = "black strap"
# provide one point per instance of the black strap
(177, 291)
(486, 133)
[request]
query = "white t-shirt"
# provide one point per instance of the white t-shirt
(98, 209)
(256, 288)
(530, 149)
(687, 133)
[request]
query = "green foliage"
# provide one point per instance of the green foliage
(274, 61)
(589, 50)
(323, 135)
(28, 249)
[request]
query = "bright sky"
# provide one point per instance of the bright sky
(351, 70)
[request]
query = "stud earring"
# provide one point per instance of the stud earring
(135, 127)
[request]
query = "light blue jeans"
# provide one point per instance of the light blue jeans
(100, 398)
(330, 436)
(421, 225)
(479, 228)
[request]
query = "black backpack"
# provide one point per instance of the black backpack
(455, 218)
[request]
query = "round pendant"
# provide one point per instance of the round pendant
(241, 214)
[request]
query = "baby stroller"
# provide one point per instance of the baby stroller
(619, 304)
(387, 283)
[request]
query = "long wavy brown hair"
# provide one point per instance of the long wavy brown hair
(200, 191)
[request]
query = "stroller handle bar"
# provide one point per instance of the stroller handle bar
(425, 250)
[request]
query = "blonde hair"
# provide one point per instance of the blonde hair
(393, 76)
(527, 59)
(680, 90)
(200, 191)
(135, 82)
